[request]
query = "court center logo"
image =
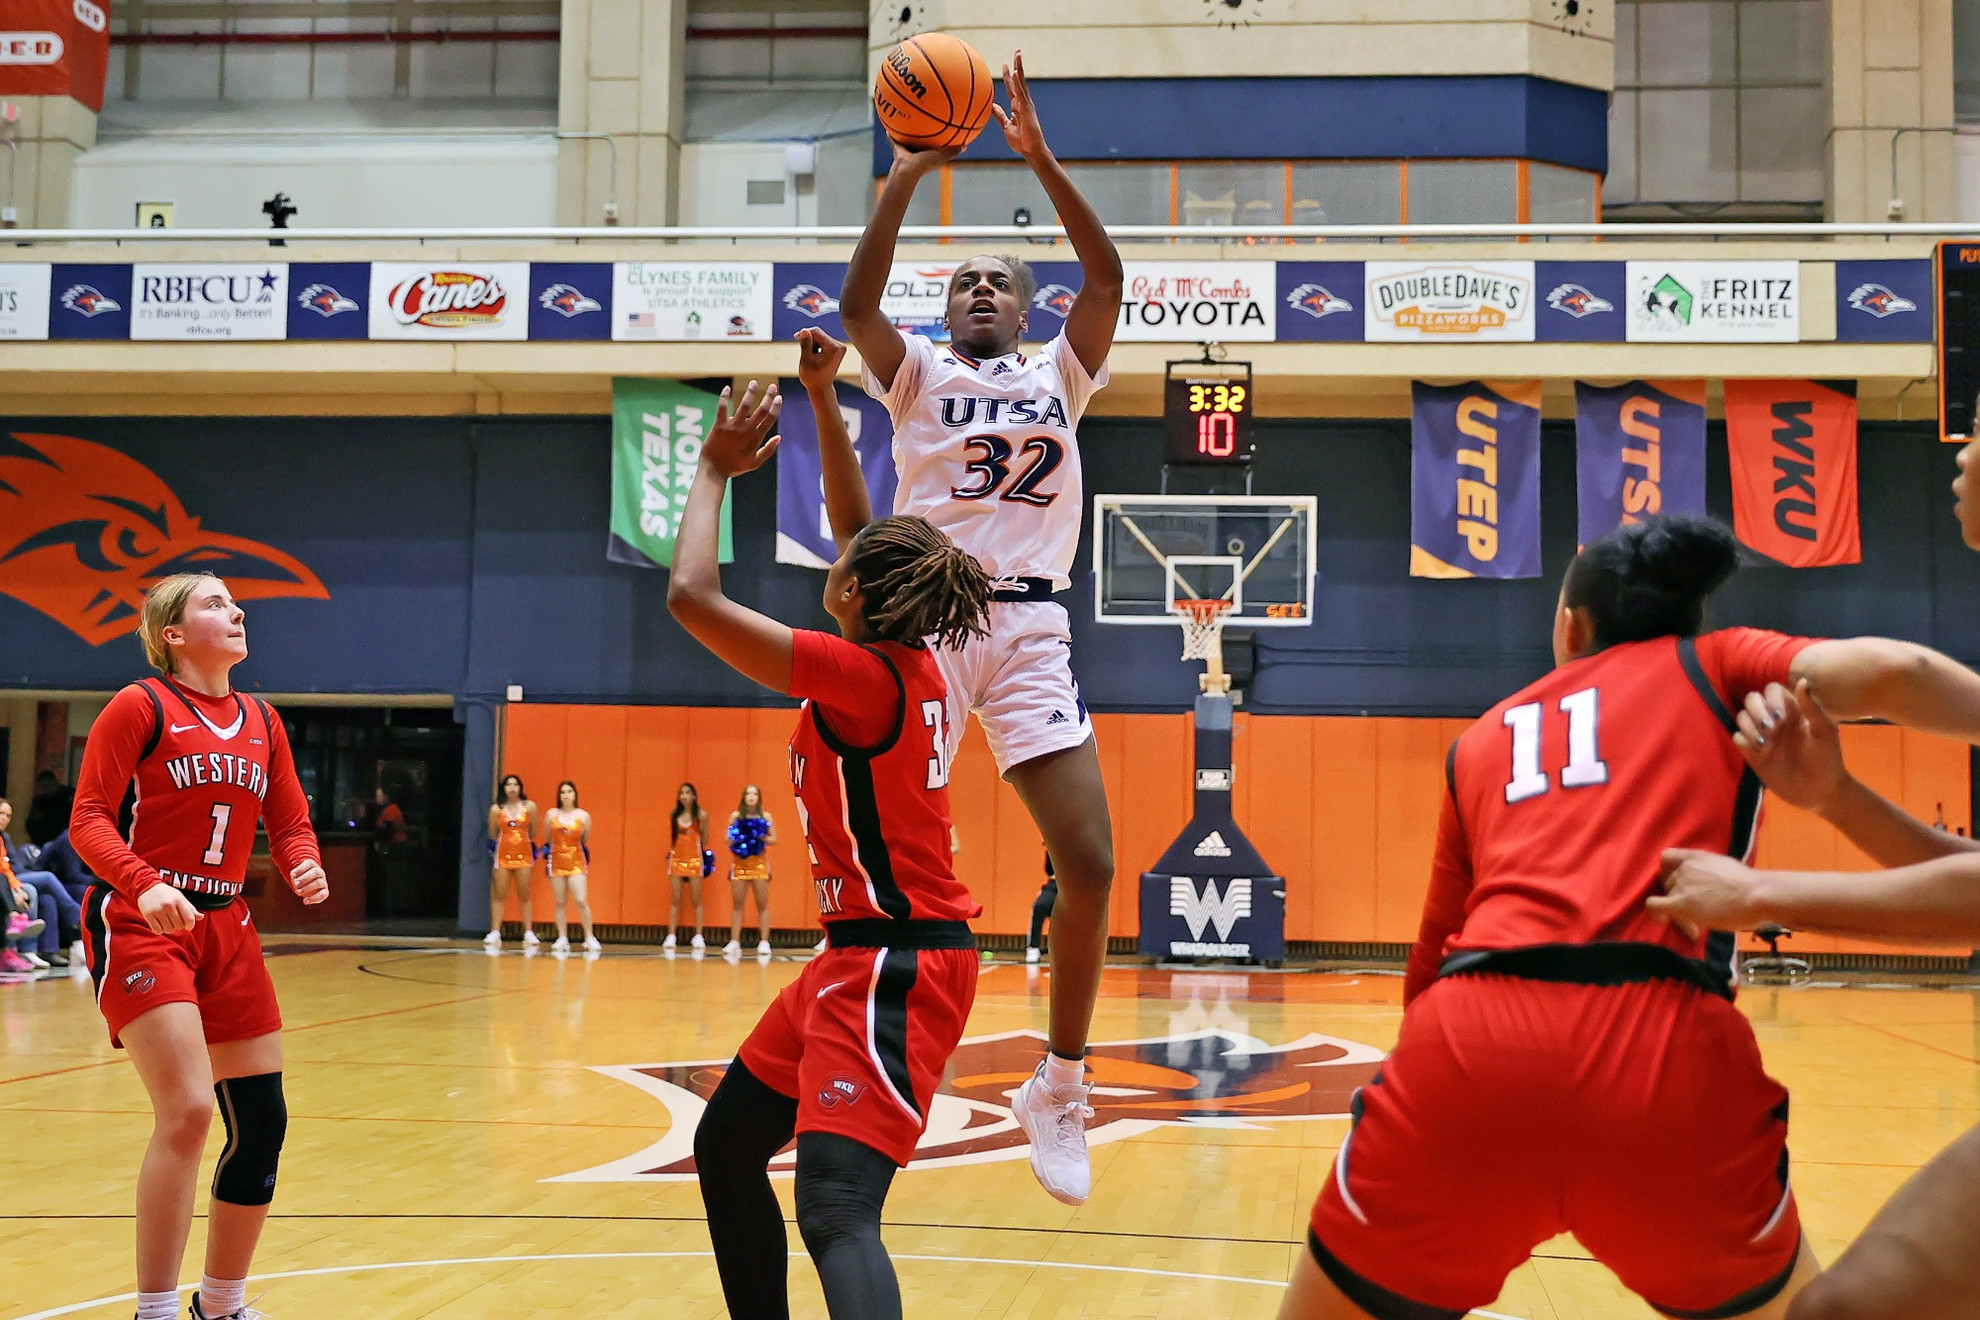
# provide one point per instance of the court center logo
(85, 529)
(1209, 1078)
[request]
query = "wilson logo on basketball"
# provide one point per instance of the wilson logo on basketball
(448, 298)
(85, 529)
(1210, 1077)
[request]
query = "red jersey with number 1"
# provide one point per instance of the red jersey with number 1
(1564, 796)
(869, 761)
(207, 769)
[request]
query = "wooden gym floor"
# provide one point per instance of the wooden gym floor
(442, 1099)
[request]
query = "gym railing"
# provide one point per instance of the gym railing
(1271, 237)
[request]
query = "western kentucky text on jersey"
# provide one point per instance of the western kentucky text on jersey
(202, 768)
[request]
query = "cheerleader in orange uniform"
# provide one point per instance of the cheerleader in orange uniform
(512, 834)
(751, 832)
(568, 830)
(686, 861)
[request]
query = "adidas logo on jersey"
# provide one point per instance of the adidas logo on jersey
(1213, 845)
(1001, 369)
(1056, 717)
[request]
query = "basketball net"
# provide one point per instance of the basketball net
(1203, 639)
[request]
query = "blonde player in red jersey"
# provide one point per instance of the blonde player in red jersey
(170, 942)
(985, 440)
(849, 1055)
(1569, 1061)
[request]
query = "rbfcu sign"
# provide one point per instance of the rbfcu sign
(1714, 302)
(1420, 302)
(1193, 301)
(192, 302)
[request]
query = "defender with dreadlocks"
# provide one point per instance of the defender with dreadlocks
(986, 441)
(848, 1056)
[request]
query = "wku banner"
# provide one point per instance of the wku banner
(55, 48)
(1475, 480)
(657, 430)
(804, 534)
(1793, 450)
(1640, 450)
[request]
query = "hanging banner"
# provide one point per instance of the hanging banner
(657, 430)
(804, 534)
(1475, 480)
(1793, 449)
(55, 48)
(1639, 450)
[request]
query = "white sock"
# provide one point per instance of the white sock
(1064, 1072)
(221, 1297)
(158, 1305)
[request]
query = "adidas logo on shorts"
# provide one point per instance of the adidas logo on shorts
(1056, 717)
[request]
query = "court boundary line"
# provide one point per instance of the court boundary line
(375, 1266)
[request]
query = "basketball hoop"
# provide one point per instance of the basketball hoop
(1203, 628)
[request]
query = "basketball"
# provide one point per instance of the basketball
(933, 91)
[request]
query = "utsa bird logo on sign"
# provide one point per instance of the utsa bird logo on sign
(1212, 1077)
(811, 300)
(1880, 300)
(85, 529)
(1578, 301)
(325, 301)
(1056, 299)
(1317, 300)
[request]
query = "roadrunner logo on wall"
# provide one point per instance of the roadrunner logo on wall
(1317, 300)
(1880, 301)
(1211, 1078)
(1206, 908)
(1056, 299)
(1577, 301)
(813, 301)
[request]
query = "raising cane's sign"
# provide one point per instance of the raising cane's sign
(55, 48)
(449, 300)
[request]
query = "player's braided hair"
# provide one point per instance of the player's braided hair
(1651, 578)
(919, 584)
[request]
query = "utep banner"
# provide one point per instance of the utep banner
(1474, 508)
(804, 534)
(1639, 450)
(657, 430)
(1793, 450)
(55, 48)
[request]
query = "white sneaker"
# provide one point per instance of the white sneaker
(76, 956)
(529, 939)
(668, 943)
(562, 944)
(591, 944)
(763, 948)
(1055, 1124)
(38, 962)
(820, 946)
(1031, 955)
(731, 947)
(697, 943)
(493, 939)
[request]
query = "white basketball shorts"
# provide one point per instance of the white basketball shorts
(1019, 683)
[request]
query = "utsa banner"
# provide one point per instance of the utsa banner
(804, 535)
(1793, 449)
(657, 430)
(1474, 508)
(1640, 449)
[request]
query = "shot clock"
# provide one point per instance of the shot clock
(1206, 413)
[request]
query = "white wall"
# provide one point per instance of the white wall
(413, 180)
(715, 179)
(1966, 177)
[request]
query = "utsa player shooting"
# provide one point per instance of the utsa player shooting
(1568, 1060)
(849, 1055)
(984, 437)
(171, 945)
(1919, 1258)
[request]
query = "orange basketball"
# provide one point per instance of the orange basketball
(933, 91)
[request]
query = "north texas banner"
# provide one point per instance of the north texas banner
(804, 535)
(1639, 450)
(657, 430)
(1793, 449)
(1475, 480)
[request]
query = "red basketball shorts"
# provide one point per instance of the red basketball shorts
(1636, 1117)
(216, 965)
(860, 1039)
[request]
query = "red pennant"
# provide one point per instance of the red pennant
(1793, 449)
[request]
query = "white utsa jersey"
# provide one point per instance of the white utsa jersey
(987, 452)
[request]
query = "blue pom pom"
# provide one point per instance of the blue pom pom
(746, 835)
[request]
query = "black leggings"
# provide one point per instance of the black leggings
(841, 1186)
(1041, 908)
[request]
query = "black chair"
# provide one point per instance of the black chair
(1773, 966)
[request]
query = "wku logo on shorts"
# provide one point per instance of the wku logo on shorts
(841, 1090)
(139, 982)
(1211, 1077)
(85, 528)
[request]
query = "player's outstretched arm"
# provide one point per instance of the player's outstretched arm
(848, 506)
(1935, 902)
(1861, 678)
(1096, 311)
(878, 342)
(755, 645)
